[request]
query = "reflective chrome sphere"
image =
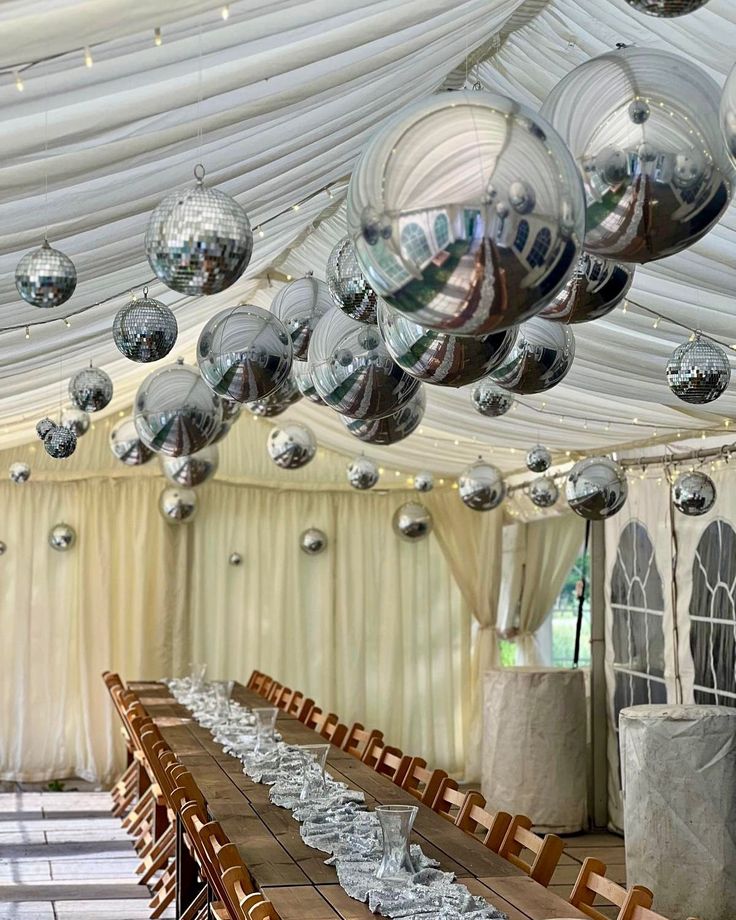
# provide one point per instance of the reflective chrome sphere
(192, 470)
(728, 113)
(439, 357)
(235, 559)
(424, 481)
(230, 414)
(666, 9)
(19, 472)
(466, 212)
(299, 305)
(540, 358)
(3, 548)
(490, 400)
(543, 492)
(45, 277)
(352, 370)
(481, 486)
(145, 329)
(596, 488)
(277, 401)
(698, 371)
(390, 429)
(90, 389)
(178, 506)
(244, 353)
(199, 240)
(44, 427)
(75, 420)
(595, 288)
(643, 127)
(291, 446)
(693, 493)
(362, 473)
(412, 522)
(62, 537)
(175, 411)
(538, 459)
(60, 443)
(313, 541)
(303, 377)
(348, 287)
(126, 444)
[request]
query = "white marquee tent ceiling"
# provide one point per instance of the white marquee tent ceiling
(290, 91)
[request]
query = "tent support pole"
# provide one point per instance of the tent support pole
(598, 793)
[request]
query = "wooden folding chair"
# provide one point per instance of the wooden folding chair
(450, 801)
(422, 783)
(255, 679)
(290, 701)
(358, 739)
(264, 689)
(545, 850)
(386, 760)
(123, 789)
(256, 906)
(475, 820)
(335, 733)
(274, 692)
(592, 883)
(306, 710)
(643, 913)
(327, 725)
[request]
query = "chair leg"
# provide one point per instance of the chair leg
(125, 802)
(165, 894)
(140, 812)
(198, 908)
(159, 856)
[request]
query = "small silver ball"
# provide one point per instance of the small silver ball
(596, 488)
(75, 420)
(543, 492)
(291, 446)
(481, 487)
(347, 284)
(90, 389)
(60, 443)
(424, 481)
(126, 444)
(235, 559)
(62, 537)
(412, 522)
(145, 330)
(178, 505)
(693, 493)
(44, 427)
(490, 399)
(698, 371)
(362, 473)
(538, 459)
(19, 472)
(45, 277)
(313, 541)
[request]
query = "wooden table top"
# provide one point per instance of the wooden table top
(294, 875)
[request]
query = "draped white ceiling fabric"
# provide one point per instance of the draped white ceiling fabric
(284, 95)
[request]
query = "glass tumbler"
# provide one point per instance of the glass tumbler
(197, 672)
(314, 782)
(223, 692)
(265, 728)
(396, 824)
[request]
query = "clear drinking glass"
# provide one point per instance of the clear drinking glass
(223, 692)
(314, 784)
(396, 824)
(196, 675)
(265, 728)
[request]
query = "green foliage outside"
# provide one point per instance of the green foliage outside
(564, 619)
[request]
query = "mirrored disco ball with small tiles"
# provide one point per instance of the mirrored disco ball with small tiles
(490, 400)
(199, 240)
(45, 277)
(145, 330)
(666, 9)
(60, 443)
(277, 401)
(349, 289)
(90, 389)
(299, 305)
(19, 472)
(698, 371)
(693, 493)
(538, 459)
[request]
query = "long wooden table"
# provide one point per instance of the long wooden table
(294, 875)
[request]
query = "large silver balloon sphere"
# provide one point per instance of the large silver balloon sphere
(244, 353)
(538, 459)
(90, 389)
(291, 446)
(348, 287)
(303, 377)
(352, 370)
(62, 537)
(481, 486)
(60, 443)
(299, 305)
(424, 481)
(192, 470)
(596, 488)
(390, 429)
(728, 113)
(126, 444)
(412, 522)
(313, 541)
(441, 358)
(539, 359)
(666, 9)
(362, 473)
(178, 505)
(75, 420)
(175, 411)
(543, 492)
(230, 414)
(199, 241)
(596, 287)
(467, 212)
(145, 329)
(278, 401)
(643, 127)
(19, 472)
(693, 493)
(490, 399)
(45, 277)
(698, 371)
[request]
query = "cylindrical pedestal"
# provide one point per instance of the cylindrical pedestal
(534, 746)
(679, 776)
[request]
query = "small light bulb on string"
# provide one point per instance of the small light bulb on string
(88, 59)
(67, 323)
(19, 84)
(295, 207)
(692, 338)
(225, 12)
(626, 307)
(157, 38)
(28, 332)
(655, 324)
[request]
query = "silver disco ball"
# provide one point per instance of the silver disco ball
(45, 277)
(438, 357)
(230, 414)
(244, 353)
(291, 446)
(693, 493)
(303, 377)
(348, 287)
(481, 486)
(666, 9)
(175, 411)
(45, 426)
(467, 212)
(278, 401)
(728, 113)
(299, 305)
(642, 125)
(596, 488)
(490, 399)
(178, 505)
(412, 522)
(19, 472)
(199, 240)
(698, 371)
(60, 443)
(424, 481)
(145, 329)
(543, 492)
(538, 459)
(390, 429)
(126, 444)
(192, 470)
(62, 537)
(540, 358)
(313, 541)
(90, 389)
(362, 473)
(596, 287)
(75, 420)
(353, 371)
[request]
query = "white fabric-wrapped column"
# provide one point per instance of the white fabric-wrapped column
(679, 775)
(534, 745)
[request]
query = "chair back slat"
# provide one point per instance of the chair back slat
(473, 817)
(450, 801)
(422, 783)
(358, 738)
(592, 882)
(545, 850)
